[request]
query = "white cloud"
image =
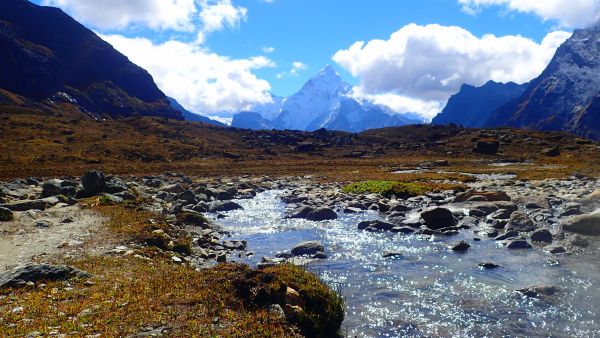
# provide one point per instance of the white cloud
(297, 67)
(429, 63)
(201, 81)
(216, 15)
(569, 13)
(117, 14)
(402, 104)
(268, 49)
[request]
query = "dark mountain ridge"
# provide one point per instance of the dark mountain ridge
(43, 52)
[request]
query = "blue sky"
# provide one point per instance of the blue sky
(249, 47)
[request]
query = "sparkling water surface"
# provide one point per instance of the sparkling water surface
(429, 290)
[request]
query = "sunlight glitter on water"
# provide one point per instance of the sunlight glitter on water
(429, 290)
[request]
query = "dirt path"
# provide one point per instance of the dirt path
(34, 236)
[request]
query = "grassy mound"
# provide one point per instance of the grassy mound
(388, 188)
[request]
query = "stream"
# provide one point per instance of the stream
(429, 290)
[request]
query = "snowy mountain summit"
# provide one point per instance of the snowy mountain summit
(325, 101)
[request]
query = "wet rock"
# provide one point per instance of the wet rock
(587, 224)
(6, 215)
(308, 248)
(320, 255)
(541, 235)
(555, 249)
(540, 291)
(224, 196)
(19, 276)
(187, 196)
(518, 243)
(488, 265)
(375, 226)
(235, 245)
(224, 206)
(403, 230)
(438, 218)
(322, 214)
(221, 258)
(388, 254)
(357, 205)
(461, 246)
(579, 241)
(520, 222)
(26, 205)
(301, 212)
(93, 182)
(507, 235)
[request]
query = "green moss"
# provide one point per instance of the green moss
(388, 188)
(104, 200)
(323, 311)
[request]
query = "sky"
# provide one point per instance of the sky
(218, 57)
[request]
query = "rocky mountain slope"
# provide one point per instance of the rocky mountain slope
(325, 101)
(189, 116)
(473, 106)
(45, 54)
(565, 95)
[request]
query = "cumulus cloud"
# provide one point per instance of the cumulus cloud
(569, 13)
(297, 67)
(429, 63)
(117, 14)
(201, 81)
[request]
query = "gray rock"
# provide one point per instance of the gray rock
(438, 218)
(322, 214)
(580, 242)
(375, 226)
(224, 196)
(42, 224)
(187, 196)
(308, 248)
(507, 235)
(115, 186)
(520, 222)
(320, 255)
(19, 276)
(555, 249)
(224, 206)
(173, 189)
(51, 188)
(587, 224)
(301, 212)
(93, 182)
(518, 243)
(540, 291)
(488, 265)
(6, 215)
(388, 254)
(461, 246)
(403, 230)
(541, 235)
(26, 205)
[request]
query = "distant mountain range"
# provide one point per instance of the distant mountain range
(565, 97)
(47, 55)
(325, 101)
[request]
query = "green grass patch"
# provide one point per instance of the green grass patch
(388, 188)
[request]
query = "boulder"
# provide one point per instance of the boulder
(488, 265)
(115, 186)
(300, 212)
(322, 214)
(51, 188)
(375, 226)
(507, 235)
(39, 272)
(6, 215)
(461, 246)
(173, 188)
(541, 235)
(486, 147)
(224, 196)
(438, 218)
(224, 206)
(93, 182)
(308, 248)
(518, 243)
(520, 222)
(587, 224)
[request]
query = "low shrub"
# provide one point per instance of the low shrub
(388, 188)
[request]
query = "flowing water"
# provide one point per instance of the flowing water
(429, 290)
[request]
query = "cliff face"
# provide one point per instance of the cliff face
(564, 96)
(43, 51)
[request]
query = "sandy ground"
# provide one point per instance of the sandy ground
(23, 241)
